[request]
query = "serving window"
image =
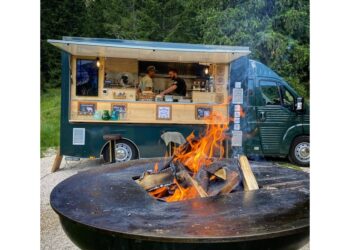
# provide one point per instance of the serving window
(112, 87)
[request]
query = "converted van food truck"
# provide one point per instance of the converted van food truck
(100, 96)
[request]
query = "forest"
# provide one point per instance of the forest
(276, 31)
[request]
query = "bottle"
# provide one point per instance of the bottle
(105, 115)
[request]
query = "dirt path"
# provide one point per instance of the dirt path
(52, 234)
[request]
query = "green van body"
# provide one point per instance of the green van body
(271, 136)
(269, 130)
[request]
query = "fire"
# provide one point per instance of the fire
(155, 170)
(159, 192)
(202, 151)
(182, 193)
(195, 154)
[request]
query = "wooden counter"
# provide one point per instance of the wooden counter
(146, 112)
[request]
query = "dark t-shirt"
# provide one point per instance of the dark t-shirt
(181, 86)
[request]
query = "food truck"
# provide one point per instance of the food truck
(101, 96)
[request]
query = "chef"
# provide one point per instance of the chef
(146, 83)
(178, 86)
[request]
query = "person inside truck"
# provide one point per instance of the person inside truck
(178, 86)
(146, 83)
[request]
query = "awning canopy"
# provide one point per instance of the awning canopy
(150, 51)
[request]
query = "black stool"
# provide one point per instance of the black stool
(111, 138)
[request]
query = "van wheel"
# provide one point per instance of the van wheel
(299, 153)
(124, 151)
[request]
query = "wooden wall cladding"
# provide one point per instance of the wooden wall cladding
(146, 112)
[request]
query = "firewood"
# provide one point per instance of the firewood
(249, 180)
(231, 182)
(166, 165)
(221, 173)
(215, 166)
(151, 180)
(184, 175)
(202, 177)
(228, 185)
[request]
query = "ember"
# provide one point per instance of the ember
(195, 169)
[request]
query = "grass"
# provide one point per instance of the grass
(50, 110)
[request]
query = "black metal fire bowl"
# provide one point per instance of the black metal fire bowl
(105, 208)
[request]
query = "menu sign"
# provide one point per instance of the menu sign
(202, 112)
(163, 112)
(86, 108)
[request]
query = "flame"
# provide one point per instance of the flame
(195, 154)
(209, 145)
(182, 193)
(159, 192)
(155, 170)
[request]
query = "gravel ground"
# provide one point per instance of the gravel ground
(51, 232)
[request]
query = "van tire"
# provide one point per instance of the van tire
(127, 151)
(299, 152)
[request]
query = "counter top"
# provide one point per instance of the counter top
(147, 102)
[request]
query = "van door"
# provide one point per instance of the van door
(274, 115)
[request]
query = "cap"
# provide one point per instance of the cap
(151, 67)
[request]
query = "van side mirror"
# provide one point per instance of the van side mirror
(299, 105)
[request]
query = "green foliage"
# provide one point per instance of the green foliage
(50, 109)
(277, 31)
(58, 18)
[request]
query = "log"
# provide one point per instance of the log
(202, 177)
(215, 166)
(151, 180)
(184, 175)
(231, 182)
(228, 185)
(249, 180)
(221, 173)
(167, 165)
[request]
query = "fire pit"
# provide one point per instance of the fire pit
(106, 208)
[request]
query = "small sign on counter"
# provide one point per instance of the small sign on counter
(163, 112)
(202, 112)
(86, 108)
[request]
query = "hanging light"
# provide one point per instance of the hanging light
(206, 70)
(98, 63)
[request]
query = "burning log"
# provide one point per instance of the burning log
(215, 166)
(202, 177)
(184, 175)
(151, 180)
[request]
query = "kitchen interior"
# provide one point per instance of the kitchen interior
(206, 83)
(117, 81)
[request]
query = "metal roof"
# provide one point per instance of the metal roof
(147, 50)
